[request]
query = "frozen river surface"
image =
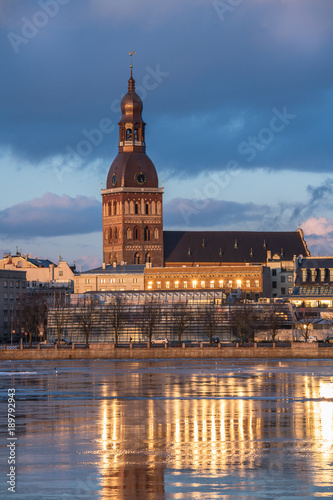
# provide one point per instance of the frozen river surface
(183, 429)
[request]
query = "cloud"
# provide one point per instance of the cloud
(51, 215)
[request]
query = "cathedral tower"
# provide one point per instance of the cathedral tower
(132, 200)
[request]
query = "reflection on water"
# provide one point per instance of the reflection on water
(151, 430)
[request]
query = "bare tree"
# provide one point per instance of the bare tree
(211, 317)
(33, 311)
(244, 321)
(305, 325)
(149, 317)
(115, 314)
(274, 319)
(86, 315)
(182, 316)
(59, 308)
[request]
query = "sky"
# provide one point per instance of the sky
(237, 96)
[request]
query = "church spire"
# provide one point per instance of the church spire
(131, 125)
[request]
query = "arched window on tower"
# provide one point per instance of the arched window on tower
(156, 233)
(136, 233)
(128, 134)
(109, 209)
(153, 208)
(147, 233)
(116, 233)
(159, 208)
(137, 258)
(110, 234)
(136, 137)
(136, 208)
(126, 208)
(131, 207)
(106, 234)
(147, 208)
(148, 257)
(129, 233)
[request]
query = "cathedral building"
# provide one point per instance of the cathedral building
(133, 227)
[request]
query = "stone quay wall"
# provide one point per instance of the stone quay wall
(109, 351)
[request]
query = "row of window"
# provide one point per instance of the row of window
(203, 284)
(113, 234)
(133, 208)
(11, 295)
(88, 281)
(11, 284)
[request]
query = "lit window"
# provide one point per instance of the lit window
(290, 279)
(167, 284)
(203, 284)
(211, 284)
(5, 284)
(256, 283)
(221, 283)
(121, 280)
(102, 280)
(248, 284)
(194, 283)
(87, 281)
(229, 284)
(150, 285)
(158, 284)
(176, 284)
(185, 284)
(239, 283)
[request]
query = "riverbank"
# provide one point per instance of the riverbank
(296, 350)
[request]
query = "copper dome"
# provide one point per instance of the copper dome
(132, 169)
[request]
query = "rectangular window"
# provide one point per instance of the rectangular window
(61, 273)
(102, 280)
(176, 284)
(17, 284)
(5, 283)
(121, 280)
(194, 283)
(11, 296)
(203, 284)
(185, 284)
(87, 281)
(290, 279)
(112, 280)
(211, 284)
(273, 284)
(135, 280)
(273, 272)
(158, 284)
(150, 285)
(23, 284)
(229, 284)
(248, 283)
(283, 291)
(256, 283)
(5, 296)
(11, 284)
(167, 284)
(283, 279)
(221, 283)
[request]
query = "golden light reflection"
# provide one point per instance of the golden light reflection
(222, 429)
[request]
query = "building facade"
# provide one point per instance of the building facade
(110, 278)
(12, 287)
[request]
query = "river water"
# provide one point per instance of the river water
(156, 429)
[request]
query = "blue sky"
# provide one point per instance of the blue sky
(238, 100)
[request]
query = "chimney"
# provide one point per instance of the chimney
(103, 266)
(269, 255)
(114, 264)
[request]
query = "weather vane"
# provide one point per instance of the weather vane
(131, 53)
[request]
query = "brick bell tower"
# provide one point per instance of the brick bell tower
(132, 200)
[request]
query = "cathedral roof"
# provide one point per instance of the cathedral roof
(231, 246)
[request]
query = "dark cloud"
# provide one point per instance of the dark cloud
(225, 76)
(51, 215)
